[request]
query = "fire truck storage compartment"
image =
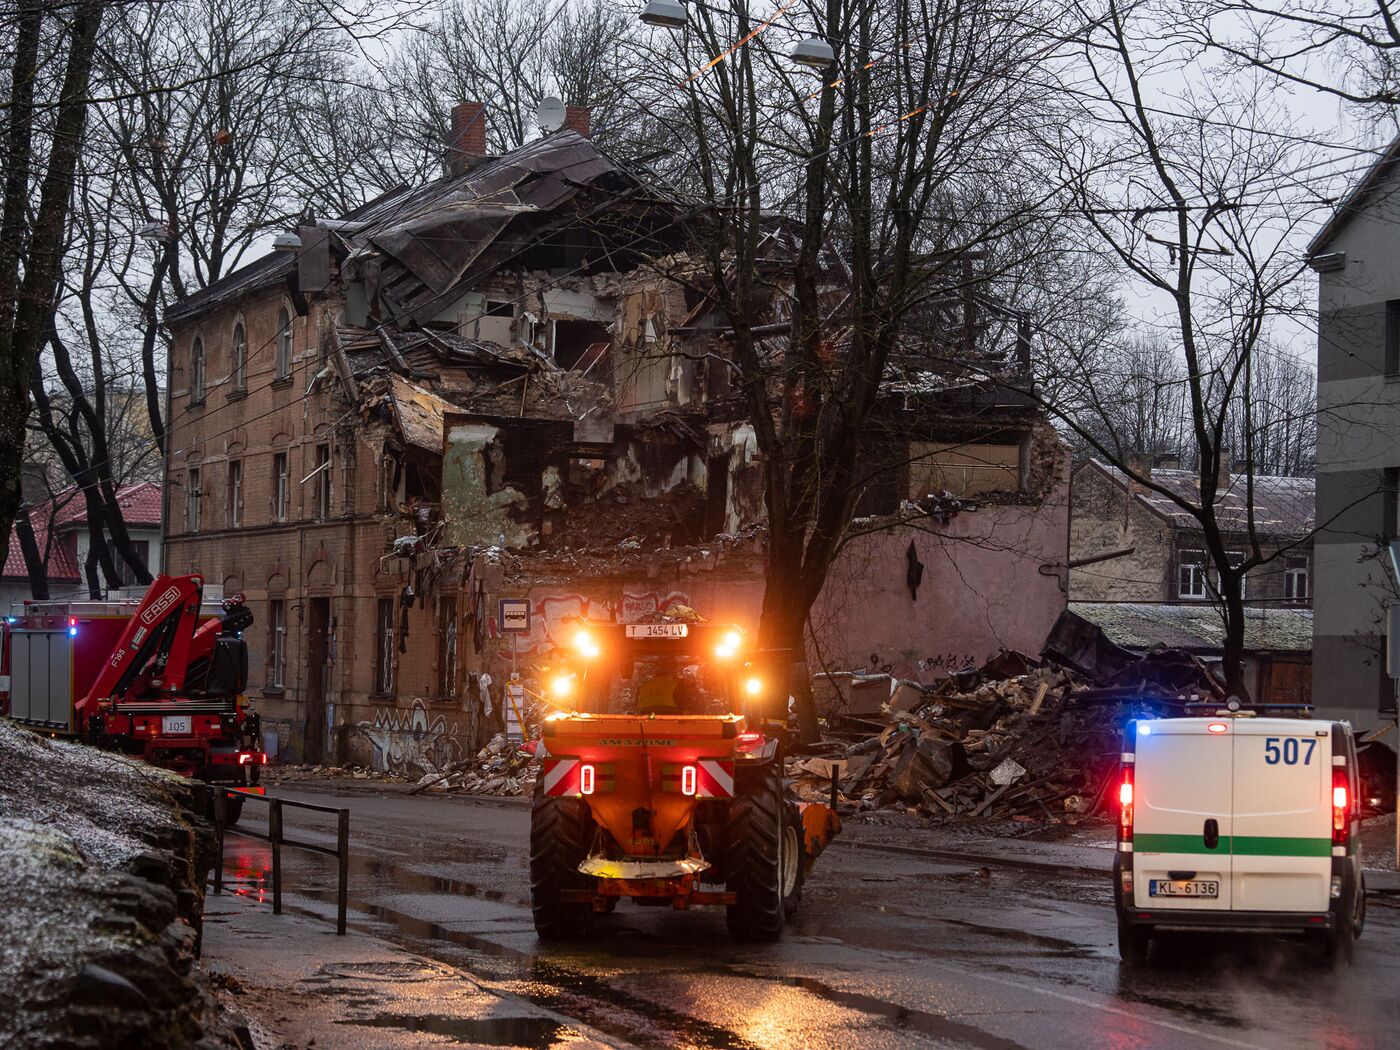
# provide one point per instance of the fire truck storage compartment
(41, 678)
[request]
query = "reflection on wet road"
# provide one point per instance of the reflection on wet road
(888, 951)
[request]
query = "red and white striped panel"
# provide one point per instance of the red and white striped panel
(560, 776)
(714, 778)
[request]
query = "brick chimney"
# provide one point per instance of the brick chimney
(579, 119)
(1222, 475)
(466, 143)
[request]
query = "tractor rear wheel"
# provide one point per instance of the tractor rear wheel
(561, 831)
(762, 856)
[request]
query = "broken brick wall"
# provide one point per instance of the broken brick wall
(980, 586)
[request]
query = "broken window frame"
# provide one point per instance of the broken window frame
(323, 481)
(447, 648)
(235, 493)
(277, 643)
(196, 383)
(384, 647)
(192, 494)
(281, 492)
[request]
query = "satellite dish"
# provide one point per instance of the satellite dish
(550, 114)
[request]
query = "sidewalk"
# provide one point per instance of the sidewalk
(300, 985)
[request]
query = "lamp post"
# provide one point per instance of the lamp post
(810, 51)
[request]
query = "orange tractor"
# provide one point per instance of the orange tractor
(663, 782)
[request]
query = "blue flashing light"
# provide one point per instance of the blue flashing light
(1144, 730)
(12, 619)
(72, 632)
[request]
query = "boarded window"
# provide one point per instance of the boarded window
(963, 470)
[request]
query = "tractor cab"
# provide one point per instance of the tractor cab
(668, 669)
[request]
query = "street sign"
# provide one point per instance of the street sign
(514, 615)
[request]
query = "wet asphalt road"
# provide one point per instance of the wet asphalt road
(888, 950)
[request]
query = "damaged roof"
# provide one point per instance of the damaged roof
(1197, 627)
(1283, 507)
(454, 230)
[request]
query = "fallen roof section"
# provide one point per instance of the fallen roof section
(1196, 628)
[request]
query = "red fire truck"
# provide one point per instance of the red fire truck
(162, 678)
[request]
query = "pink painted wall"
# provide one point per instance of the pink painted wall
(982, 590)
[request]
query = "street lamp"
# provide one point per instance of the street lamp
(814, 52)
(669, 14)
(672, 14)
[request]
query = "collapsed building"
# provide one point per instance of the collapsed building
(484, 388)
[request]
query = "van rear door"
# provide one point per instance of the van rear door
(1282, 845)
(1181, 816)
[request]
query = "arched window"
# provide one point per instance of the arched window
(284, 343)
(238, 373)
(197, 369)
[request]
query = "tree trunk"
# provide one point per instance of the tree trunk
(23, 308)
(782, 626)
(33, 561)
(1232, 652)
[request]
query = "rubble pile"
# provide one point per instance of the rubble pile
(1038, 745)
(277, 774)
(502, 767)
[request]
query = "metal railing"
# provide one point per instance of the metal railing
(276, 837)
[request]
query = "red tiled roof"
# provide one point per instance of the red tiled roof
(140, 506)
(62, 565)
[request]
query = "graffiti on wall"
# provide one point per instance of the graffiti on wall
(549, 613)
(411, 742)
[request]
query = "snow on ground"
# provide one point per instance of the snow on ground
(74, 823)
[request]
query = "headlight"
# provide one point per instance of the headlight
(563, 686)
(753, 686)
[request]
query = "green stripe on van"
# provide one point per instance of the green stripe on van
(1240, 845)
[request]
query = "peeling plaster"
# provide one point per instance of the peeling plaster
(474, 515)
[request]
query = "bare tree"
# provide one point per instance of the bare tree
(31, 242)
(843, 209)
(1200, 212)
(1349, 49)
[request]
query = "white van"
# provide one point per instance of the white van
(1238, 822)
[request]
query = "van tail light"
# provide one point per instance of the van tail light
(1341, 806)
(1125, 806)
(587, 779)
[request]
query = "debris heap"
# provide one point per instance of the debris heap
(502, 767)
(1040, 744)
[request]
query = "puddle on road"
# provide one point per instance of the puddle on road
(531, 1033)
